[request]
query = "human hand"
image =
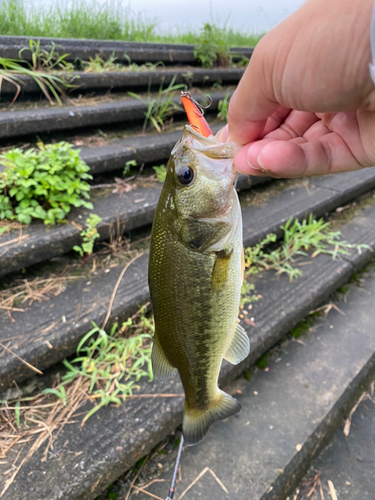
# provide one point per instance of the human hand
(306, 103)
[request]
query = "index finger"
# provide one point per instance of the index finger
(250, 106)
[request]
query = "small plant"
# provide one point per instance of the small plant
(111, 363)
(43, 59)
(98, 64)
(161, 172)
(43, 183)
(52, 86)
(212, 48)
(89, 235)
(128, 165)
(223, 108)
(160, 108)
(299, 237)
(246, 298)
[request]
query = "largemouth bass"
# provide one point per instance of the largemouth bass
(195, 277)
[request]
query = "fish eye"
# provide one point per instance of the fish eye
(185, 175)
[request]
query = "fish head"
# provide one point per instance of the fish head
(200, 177)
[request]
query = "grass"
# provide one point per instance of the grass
(105, 371)
(102, 21)
(100, 65)
(161, 173)
(113, 362)
(223, 107)
(299, 238)
(161, 107)
(89, 235)
(52, 86)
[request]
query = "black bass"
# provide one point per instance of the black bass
(195, 277)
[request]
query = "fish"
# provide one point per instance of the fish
(196, 270)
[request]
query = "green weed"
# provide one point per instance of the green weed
(43, 183)
(99, 65)
(299, 237)
(246, 290)
(161, 107)
(303, 326)
(89, 235)
(52, 86)
(75, 19)
(102, 21)
(212, 47)
(128, 165)
(262, 362)
(111, 362)
(43, 59)
(223, 108)
(161, 172)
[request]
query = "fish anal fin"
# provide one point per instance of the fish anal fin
(161, 367)
(221, 269)
(239, 347)
(196, 423)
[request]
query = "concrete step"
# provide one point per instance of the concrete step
(118, 211)
(289, 413)
(53, 119)
(63, 320)
(302, 397)
(130, 80)
(136, 209)
(348, 461)
(84, 49)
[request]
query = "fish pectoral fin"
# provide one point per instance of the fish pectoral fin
(220, 269)
(239, 347)
(196, 422)
(161, 367)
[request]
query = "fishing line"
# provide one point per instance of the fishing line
(178, 459)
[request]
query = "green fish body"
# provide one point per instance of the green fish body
(195, 277)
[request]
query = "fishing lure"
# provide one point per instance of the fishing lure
(195, 114)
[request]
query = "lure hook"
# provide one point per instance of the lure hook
(199, 106)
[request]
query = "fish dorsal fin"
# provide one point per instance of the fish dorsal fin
(239, 347)
(161, 367)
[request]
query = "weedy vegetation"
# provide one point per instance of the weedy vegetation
(299, 238)
(52, 86)
(43, 59)
(160, 108)
(99, 20)
(161, 172)
(89, 235)
(43, 183)
(107, 368)
(223, 108)
(113, 362)
(100, 65)
(212, 47)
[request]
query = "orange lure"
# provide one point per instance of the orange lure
(195, 115)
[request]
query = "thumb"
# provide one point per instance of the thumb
(252, 103)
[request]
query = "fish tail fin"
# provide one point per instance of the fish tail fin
(196, 423)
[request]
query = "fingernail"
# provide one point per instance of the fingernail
(261, 164)
(223, 134)
(253, 166)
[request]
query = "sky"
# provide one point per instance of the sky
(257, 16)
